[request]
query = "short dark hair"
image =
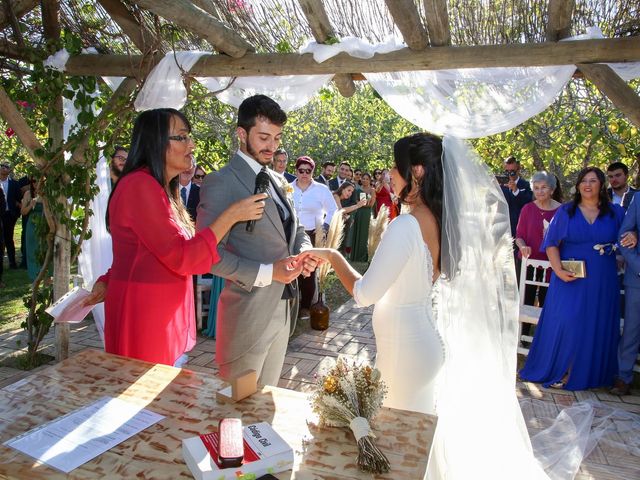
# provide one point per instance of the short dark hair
(510, 160)
(328, 164)
(618, 166)
(358, 170)
(345, 163)
(281, 151)
(260, 106)
(118, 148)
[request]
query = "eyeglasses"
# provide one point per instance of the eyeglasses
(120, 157)
(198, 177)
(304, 170)
(180, 138)
(5, 165)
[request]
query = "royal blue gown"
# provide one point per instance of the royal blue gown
(579, 326)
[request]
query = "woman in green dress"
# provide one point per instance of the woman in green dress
(362, 218)
(32, 208)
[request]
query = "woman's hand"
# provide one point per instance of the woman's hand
(566, 276)
(97, 294)
(525, 251)
(321, 255)
(250, 208)
(361, 203)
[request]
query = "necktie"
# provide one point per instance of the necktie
(183, 195)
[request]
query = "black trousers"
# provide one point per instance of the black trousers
(8, 224)
(308, 284)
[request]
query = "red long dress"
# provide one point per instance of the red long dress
(383, 197)
(149, 300)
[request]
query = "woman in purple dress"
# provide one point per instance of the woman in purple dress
(534, 220)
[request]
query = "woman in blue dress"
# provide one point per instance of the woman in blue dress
(575, 344)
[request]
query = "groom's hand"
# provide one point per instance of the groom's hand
(286, 270)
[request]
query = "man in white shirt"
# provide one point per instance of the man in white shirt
(315, 207)
(189, 192)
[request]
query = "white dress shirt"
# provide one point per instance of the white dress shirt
(187, 192)
(315, 205)
(265, 273)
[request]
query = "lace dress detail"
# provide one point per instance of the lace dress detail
(410, 351)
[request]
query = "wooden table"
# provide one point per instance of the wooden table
(187, 399)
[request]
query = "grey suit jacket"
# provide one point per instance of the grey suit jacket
(244, 317)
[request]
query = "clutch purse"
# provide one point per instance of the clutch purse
(577, 267)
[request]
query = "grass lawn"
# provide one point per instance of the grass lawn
(12, 310)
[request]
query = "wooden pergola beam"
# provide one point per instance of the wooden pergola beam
(18, 7)
(187, 15)
(12, 116)
(322, 31)
(624, 49)
(615, 88)
(559, 15)
(407, 19)
(141, 37)
(437, 22)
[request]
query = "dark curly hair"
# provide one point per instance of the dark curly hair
(260, 106)
(603, 199)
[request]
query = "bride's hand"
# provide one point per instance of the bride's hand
(321, 255)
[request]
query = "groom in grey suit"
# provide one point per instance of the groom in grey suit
(252, 329)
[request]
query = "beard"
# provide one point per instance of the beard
(114, 170)
(252, 151)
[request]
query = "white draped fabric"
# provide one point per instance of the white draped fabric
(96, 255)
(164, 86)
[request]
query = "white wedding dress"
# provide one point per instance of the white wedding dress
(410, 351)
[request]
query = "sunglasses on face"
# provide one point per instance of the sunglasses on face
(120, 157)
(304, 170)
(199, 177)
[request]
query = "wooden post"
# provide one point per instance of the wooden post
(62, 239)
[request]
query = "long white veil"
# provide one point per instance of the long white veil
(481, 431)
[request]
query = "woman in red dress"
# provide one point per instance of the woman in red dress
(383, 191)
(148, 291)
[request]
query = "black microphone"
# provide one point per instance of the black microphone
(262, 186)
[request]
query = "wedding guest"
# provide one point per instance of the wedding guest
(118, 159)
(198, 175)
(383, 190)
(328, 169)
(189, 192)
(532, 225)
(357, 177)
(3, 204)
(11, 211)
(32, 208)
(344, 197)
(315, 207)
(517, 191)
(148, 292)
(619, 191)
(575, 343)
(280, 160)
(359, 251)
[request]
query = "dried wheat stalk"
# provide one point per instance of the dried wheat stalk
(331, 239)
(376, 228)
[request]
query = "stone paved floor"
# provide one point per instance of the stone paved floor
(351, 334)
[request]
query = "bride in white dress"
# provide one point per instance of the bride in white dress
(410, 351)
(457, 228)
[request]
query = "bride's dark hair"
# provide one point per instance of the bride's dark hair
(425, 150)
